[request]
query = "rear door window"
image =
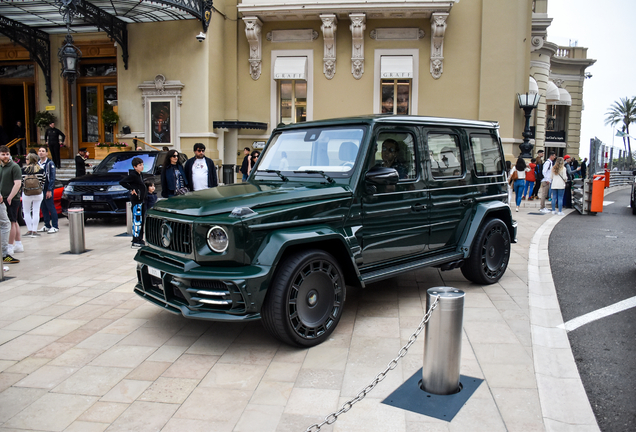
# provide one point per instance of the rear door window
(445, 154)
(487, 157)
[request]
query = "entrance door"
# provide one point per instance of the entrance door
(93, 100)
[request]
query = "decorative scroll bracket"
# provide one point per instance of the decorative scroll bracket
(36, 43)
(113, 26)
(357, 28)
(328, 27)
(438, 28)
(253, 28)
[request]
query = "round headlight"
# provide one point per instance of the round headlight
(217, 239)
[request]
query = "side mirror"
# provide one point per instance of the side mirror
(382, 176)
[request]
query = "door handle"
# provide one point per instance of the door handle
(418, 207)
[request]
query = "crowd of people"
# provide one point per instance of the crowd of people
(548, 180)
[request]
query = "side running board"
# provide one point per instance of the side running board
(387, 272)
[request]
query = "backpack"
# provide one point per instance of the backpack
(32, 185)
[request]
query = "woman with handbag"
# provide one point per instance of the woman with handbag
(173, 179)
(32, 194)
(559, 180)
(518, 180)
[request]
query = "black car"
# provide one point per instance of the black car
(100, 194)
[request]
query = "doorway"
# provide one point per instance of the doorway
(17, 103)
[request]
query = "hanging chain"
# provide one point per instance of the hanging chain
(331, 418)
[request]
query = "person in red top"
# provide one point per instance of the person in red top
(530, 179)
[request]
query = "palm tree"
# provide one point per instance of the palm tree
(623, 111)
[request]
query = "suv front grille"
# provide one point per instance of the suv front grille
(90, 188)
(181, 234)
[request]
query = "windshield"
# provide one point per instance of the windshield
(332, 150)
(122, 162)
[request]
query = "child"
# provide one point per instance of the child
(134, 182)
(151, 198)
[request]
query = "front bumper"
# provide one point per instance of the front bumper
(99, 205)
(208, 293)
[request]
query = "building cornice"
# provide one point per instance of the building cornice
(291, 11)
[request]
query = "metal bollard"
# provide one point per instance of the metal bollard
(129, 219)
(76, 230)
(443, 341)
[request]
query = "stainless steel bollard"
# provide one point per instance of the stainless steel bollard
(129, 219)
(76, 230)
(443, 341)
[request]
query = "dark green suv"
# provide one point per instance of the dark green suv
(331, 204)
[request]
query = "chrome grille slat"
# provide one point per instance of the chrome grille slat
(181, 235)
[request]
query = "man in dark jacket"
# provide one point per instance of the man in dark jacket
(245, 164)
(134, 182)
(52, 137)
(80, 162)
(200, 171)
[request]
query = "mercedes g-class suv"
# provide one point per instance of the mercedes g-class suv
(331, 204)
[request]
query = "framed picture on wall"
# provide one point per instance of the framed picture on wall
(161, 122)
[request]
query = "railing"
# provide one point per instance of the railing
(144, 142)
(581, 196)
(14, 142)
(619, 178)
(562, 52)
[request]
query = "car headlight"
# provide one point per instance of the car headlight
(217, 239)
(116, 188)
(68, 188)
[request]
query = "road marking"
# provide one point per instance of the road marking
(605, 203)
(575, 323)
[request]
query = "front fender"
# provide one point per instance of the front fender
(483, 212)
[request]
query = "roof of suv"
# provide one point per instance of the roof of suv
(379, 118)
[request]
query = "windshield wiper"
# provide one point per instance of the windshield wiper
(322, 173)
(275, 172)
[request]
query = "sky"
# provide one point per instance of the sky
(606, 28)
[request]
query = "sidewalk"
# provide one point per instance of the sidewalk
(80, 352)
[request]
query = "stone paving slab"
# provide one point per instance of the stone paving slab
(80, 352)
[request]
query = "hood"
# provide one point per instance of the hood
(99, 178)
(223, 199)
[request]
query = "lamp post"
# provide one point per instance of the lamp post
(68, 54)
(527, 102)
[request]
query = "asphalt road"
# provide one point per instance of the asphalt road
(592, 260)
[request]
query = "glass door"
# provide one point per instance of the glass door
(94, 100)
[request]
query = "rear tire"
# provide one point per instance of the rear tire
(305, 300)
(489, 254)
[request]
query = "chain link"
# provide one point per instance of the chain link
(331, 418)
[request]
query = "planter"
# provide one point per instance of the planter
(102, 152)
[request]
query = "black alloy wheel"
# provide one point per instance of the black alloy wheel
(489, 254)
(305, 300)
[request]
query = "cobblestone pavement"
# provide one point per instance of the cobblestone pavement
(80, 352)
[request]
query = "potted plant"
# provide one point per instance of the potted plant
(110, 119)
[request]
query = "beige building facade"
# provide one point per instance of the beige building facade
(262, 63)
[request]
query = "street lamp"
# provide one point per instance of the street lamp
(69, 55)
(527, 102)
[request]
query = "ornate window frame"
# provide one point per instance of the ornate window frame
(377, 77)
(162, 90)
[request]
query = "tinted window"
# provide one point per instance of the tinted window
(486, 154)
(445, 155)
(122, 162)
(397, 150)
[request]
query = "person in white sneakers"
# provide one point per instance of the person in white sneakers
(48, 209)
(10, 184)
(546, 181)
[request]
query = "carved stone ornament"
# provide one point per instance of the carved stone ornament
(160, 87)
(537, 42)
(253, 28)
(558, 82)
(438, 29)
(357, 28)
(328, 27)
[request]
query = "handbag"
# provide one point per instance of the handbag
(513, 177)
(181, 191)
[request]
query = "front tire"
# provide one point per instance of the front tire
(305, 300)
(489, 254)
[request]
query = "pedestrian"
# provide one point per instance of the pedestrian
(134, 182)
(545, 181)
(48, 210)
(530, 179)
(284, 163)
(173, 179)
(52, 137)
(80, 162)
(10, 184)
(517, 179)
(151, 196)
(559, 180)
(200, 171)
(584, 168)
(252, 160)
(571, 175)
(32, 194)
(19, 132)
(538, 174)
(246, 163)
